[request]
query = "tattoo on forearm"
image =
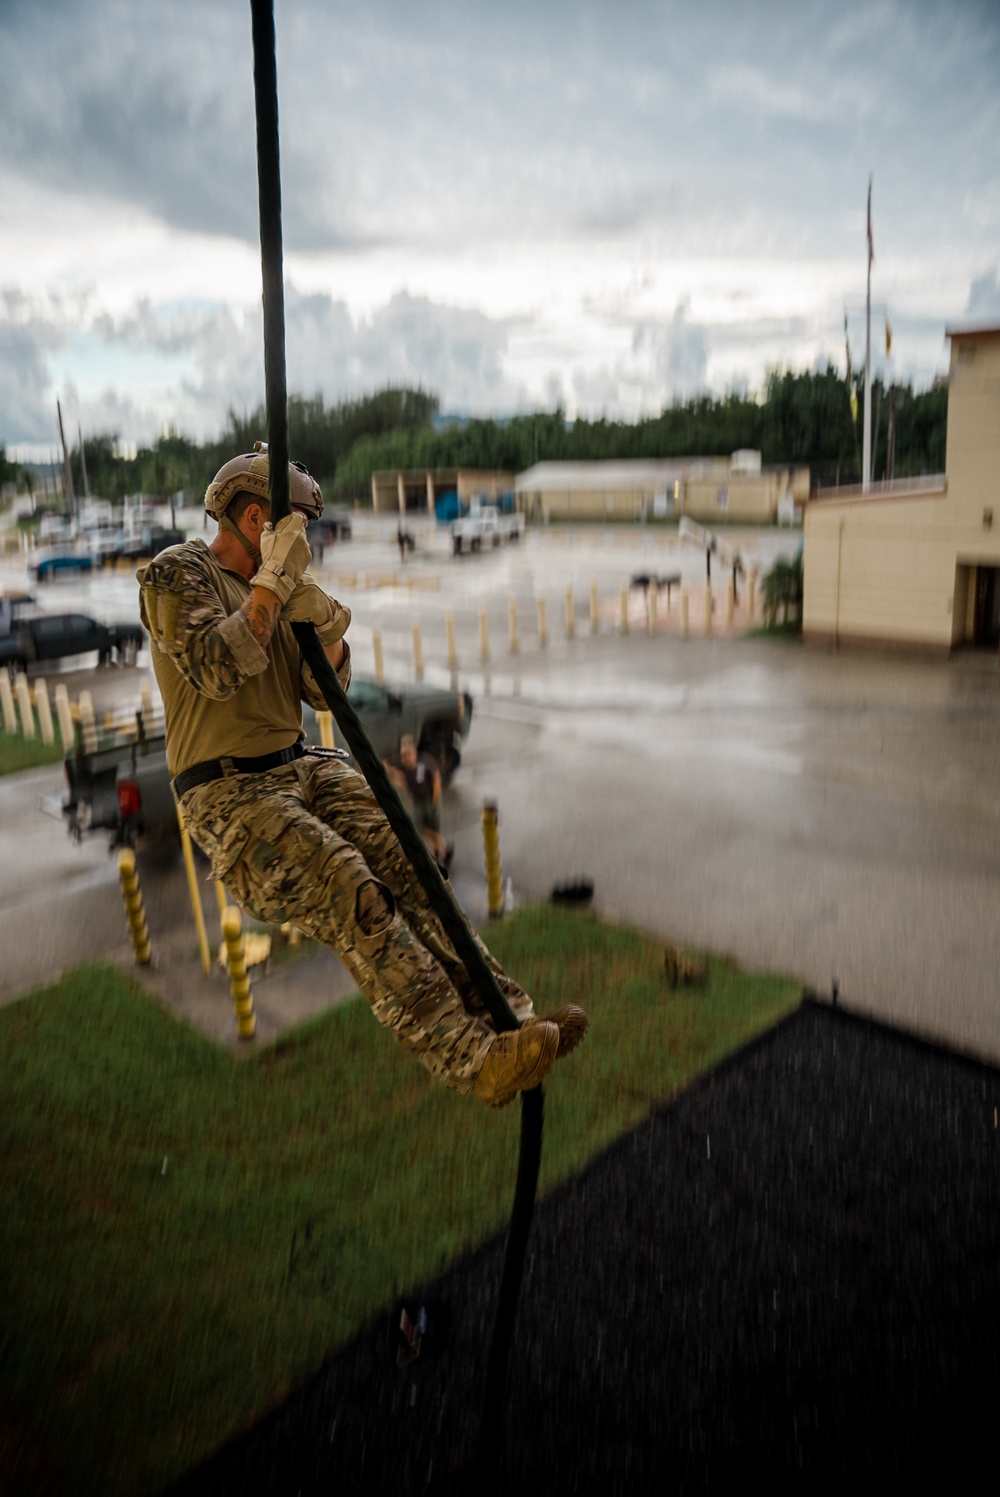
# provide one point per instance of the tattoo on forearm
(260, 620)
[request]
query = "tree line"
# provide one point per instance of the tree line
(800, 419)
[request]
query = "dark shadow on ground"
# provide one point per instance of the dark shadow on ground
(790, 1273)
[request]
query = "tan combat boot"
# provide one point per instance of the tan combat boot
(517, 1061)
(572, 1023)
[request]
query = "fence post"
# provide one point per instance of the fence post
(708, 608)
(484, 634)
(449, 629)
(44, 711)
(543, 625)
(652, 599)
(623, 609)
(515, 637)
(752, 591)
(595, 608)
(570, 617)
(730, 601)
(685, 613)
(23, 694)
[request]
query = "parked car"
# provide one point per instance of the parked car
(52, 562)
(148, 542)
(37, 637)
(122, 787)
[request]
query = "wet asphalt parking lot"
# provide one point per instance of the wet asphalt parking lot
(831, 815)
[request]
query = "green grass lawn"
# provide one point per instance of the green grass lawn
(185, 1233)
(17, 753)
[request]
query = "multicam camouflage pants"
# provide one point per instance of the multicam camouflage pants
(308, 843)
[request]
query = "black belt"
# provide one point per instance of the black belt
(215, 769)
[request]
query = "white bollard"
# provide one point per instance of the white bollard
(708, 608)
(570, 615)
(44, 711)
(87, 722)
(418, 651)
(7, 703)
(23, 694)
(623, 609)
(484, 634)
(449, 629)
(685, 619)
(515, 638)
(730, 601)
(64, 716)
(379, 660)
(595, 608)
(543, 625)
(652, 599)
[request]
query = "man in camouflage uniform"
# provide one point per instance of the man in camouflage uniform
(293, 835)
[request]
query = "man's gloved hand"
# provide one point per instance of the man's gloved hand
(285, 555)
(309, 604)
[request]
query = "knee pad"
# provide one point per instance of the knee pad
(374, 907)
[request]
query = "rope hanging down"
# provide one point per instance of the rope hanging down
(441, 900)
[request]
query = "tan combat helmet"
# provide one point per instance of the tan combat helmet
(248, 474)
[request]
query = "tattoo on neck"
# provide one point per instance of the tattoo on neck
(260, 619)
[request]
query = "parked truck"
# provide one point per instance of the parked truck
(121, 786)
(485, 524)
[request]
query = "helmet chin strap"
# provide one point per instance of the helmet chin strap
(248, 546)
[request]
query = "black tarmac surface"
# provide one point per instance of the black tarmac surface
(790, 1274)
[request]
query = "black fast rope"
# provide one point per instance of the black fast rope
(438, 893)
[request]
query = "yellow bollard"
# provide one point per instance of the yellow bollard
(708, 608)
(221, 900)
(751, 592)
(515, 638)
(239, 981)
(132, 895)
(543, 624)
(418, 651)
(24, 706)
(379, 660)
(449, 629)
(623, 609)
(595, 608)
(44, 711)
(491, 850)
(652, 599)
(194, 890)
(7, 703)
(730, 601)
(326, 738)
(88, 723)
(484, 635)
(570, 618)
(65, 716)
(685, 621)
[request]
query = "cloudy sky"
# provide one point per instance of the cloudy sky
(603, 203)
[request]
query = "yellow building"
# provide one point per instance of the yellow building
(416, 490)
(712, 490)
(916, 562)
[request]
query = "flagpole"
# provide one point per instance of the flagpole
(866, 457)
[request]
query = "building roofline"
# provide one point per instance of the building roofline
(974, 330)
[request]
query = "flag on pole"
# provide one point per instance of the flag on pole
(888, 336)
(871, 246)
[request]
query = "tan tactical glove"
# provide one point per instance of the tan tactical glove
(309, 604)
(285, 555)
